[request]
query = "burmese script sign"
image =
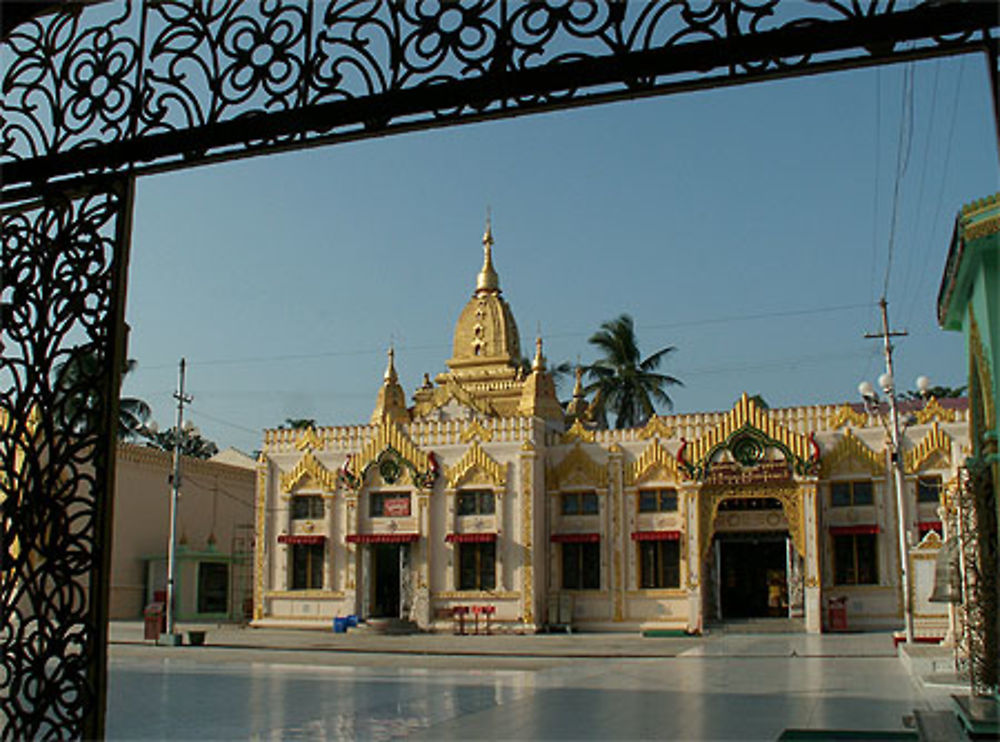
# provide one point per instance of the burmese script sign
(396, 507)
(731, 473)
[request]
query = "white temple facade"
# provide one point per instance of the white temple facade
(484, 493)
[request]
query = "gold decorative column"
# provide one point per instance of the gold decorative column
(529, 460)
(692, 556)
(260, 583)
(616, 541)
(422, 597)
(812, 557)
(351, 551)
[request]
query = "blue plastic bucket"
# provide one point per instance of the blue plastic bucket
(340, 626)
(352, 622)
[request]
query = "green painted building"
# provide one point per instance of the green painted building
(969, 301)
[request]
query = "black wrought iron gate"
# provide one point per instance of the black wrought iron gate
(97, 94)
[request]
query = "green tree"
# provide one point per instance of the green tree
(192, 444)
(625, 383)
(77, 385)
(938, 392)
(298, 423)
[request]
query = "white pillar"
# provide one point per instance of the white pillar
(813, 559)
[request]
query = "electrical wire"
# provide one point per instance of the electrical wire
(903, 148)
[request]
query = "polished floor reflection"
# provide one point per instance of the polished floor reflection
(733, 688)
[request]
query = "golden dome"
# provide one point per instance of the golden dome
(486, 333)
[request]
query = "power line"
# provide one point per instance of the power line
(569, 333)
(904, 144)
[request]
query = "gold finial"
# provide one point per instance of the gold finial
(488, 279)
(578, 386)
(390, 376)
(539, 363)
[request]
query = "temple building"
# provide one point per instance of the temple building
(485, 492)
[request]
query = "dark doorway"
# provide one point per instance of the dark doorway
(753, 580)
(386, 587)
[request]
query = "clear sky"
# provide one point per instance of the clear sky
(749, 227)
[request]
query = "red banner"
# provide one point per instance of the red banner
(382, 538)
(301, 538)
(656, 535)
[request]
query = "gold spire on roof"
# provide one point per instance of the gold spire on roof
(539, 363)
(487, 280)
(578, 386)
(390, 376)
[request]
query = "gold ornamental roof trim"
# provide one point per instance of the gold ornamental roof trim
(746, 413)
(476, 460)
(389, 435)
(935, 441)
(852, 448)
(847, 415)
(934, 411)
(577, 467)
(308, 467)
(654, 458)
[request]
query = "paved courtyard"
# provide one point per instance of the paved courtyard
(248, 684)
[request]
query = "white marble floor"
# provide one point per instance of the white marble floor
(740, 687)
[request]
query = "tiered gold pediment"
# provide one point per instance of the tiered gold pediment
(475, 431)
(847, 415)
(390, 436)
(934, 411)
(746, 414)
(476, 465)
(852, 453)
(447, 391)
(309, 439)
(935, 445)
(577, 432)
(578, 468)
(656, 427)
(309, 471)
(656, 462)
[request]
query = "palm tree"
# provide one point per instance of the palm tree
(77, 384)
(624, 384)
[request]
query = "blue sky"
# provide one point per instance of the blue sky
(749, 227)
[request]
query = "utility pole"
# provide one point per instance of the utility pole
(888, 384)
(175, 487)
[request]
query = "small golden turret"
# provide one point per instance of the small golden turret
(487, 280)
(391, 401)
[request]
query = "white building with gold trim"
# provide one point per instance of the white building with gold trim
(484, 493)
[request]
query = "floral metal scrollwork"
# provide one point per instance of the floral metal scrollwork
(61, 296)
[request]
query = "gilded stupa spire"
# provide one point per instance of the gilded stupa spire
(539, 363)
(487, 280)
(390, 376)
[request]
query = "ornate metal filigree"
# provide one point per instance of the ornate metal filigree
(166, 82)
(61, 296)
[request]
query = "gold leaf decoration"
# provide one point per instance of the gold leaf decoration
(310, 440)
(657, 427)
(475, 431)
(850, 448)
(578, 468)
(578, 433)
(390, 436)
(847, 415)
(654, 459)
(747, 413)
(476, 461)
(309, 467)
(935, 441)
(934, 411)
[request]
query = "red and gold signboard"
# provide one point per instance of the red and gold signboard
(730, 473)
(396, 507)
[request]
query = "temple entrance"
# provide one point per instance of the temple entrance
(752, 575)
(386, 588)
